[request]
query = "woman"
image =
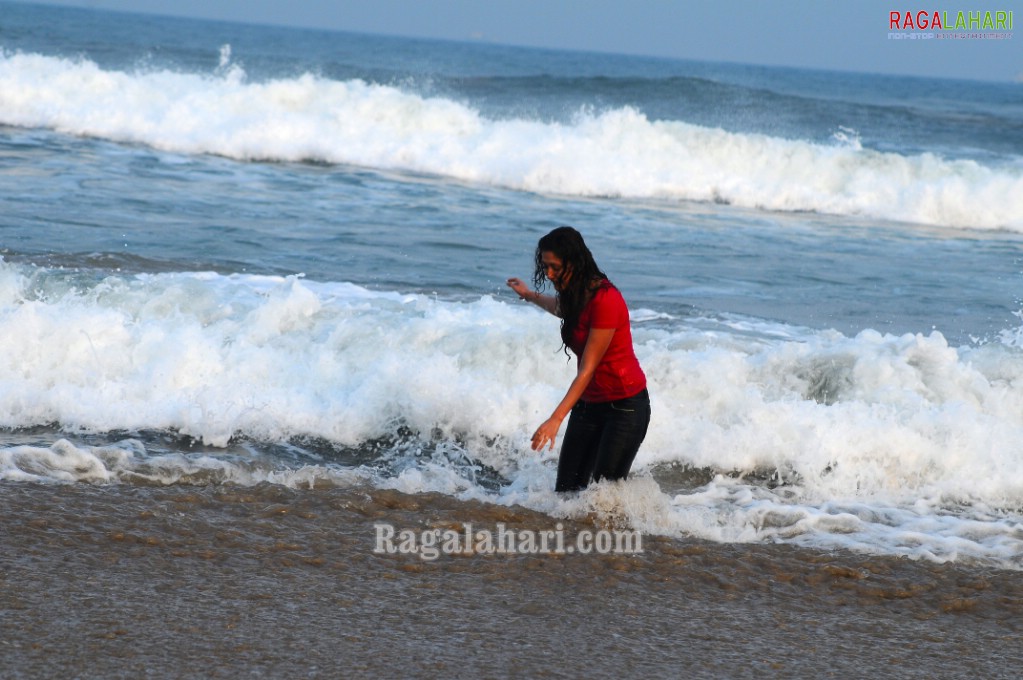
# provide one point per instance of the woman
(608, 400)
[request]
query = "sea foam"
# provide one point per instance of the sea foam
(272, 358)
(612, 153)
(873, 442)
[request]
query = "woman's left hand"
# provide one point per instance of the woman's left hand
(546, 433)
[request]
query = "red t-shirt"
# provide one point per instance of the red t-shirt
(618, 374)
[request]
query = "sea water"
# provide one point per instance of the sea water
(238, 256)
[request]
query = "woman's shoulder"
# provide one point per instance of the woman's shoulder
(608, 297)
(605, 290)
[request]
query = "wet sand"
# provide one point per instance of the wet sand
(222, 582)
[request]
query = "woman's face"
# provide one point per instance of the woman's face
(556, 271)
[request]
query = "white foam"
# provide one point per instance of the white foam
(924, 435)
(213, 356)
(617, 153)
(129, 462)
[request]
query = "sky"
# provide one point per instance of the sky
(826, 34)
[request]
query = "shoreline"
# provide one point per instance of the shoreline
(122, 581)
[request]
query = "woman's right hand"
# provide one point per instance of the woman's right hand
(520, 288)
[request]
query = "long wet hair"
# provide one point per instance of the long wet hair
(580, 269)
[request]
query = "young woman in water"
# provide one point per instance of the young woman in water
(608, 399)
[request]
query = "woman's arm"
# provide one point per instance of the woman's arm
(597, 343)
(546, 302)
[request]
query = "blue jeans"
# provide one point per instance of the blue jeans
(601, 440)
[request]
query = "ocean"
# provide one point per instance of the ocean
(252, 310)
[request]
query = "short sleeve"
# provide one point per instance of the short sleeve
(609, 310)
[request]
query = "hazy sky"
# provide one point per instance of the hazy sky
(829, 34)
